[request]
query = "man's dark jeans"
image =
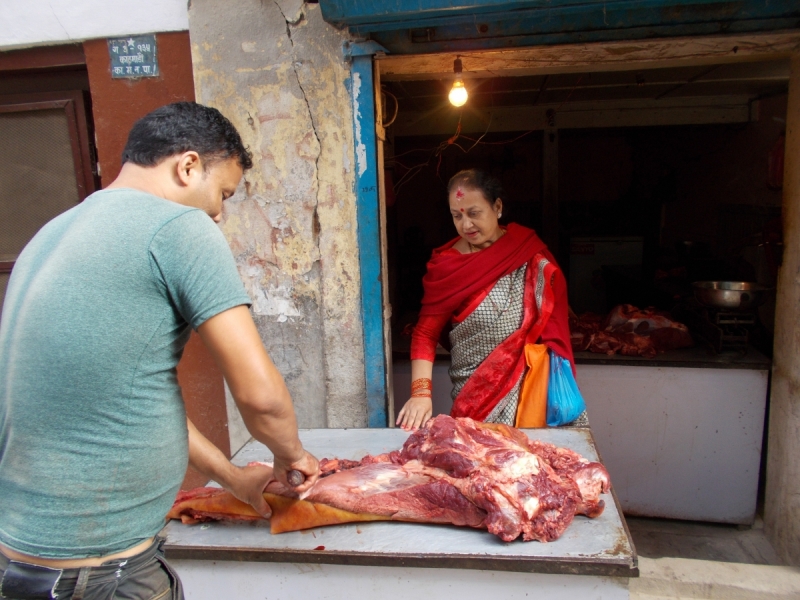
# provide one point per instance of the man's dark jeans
(145, 576)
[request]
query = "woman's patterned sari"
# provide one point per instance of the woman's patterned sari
(488, 364)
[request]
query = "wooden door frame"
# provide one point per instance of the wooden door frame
(593, 57)
(380, 138)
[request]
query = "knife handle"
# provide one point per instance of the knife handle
(295, 478)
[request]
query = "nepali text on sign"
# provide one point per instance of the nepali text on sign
(133, 56)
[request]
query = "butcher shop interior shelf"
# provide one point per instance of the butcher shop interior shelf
(601, 546)
(697, 357)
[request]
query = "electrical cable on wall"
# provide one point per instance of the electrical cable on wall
(438, 150)
(396, 106)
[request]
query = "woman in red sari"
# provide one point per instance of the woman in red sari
(500, 289)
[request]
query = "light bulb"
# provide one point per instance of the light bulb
(458, 95)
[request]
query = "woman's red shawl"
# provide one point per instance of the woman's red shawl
(453, 278)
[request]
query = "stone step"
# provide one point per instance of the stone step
(673, 578)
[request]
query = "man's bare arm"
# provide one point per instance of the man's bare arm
(259, 391)
(246, 483)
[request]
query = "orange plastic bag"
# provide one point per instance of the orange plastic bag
(532, 408)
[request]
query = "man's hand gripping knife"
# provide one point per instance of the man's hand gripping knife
(266, 408)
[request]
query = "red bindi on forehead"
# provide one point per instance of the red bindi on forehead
(462, 210)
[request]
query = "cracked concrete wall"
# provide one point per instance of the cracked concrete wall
(276, 70)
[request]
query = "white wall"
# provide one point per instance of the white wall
(39, 22)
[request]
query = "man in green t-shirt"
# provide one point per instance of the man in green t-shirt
(94, 439)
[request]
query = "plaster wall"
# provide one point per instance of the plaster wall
(38, 22)
(277, 71)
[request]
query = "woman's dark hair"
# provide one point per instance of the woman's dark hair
(180, 127)
(475, 179)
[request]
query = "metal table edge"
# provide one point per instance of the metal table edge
(618, 506)
(609, 567)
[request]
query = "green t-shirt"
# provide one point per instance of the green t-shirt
(93, 440)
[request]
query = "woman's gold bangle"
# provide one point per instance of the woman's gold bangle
(423, 383)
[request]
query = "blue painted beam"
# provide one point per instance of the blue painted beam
(590, 16)
(405, 42)
(367, 199)
(407, 14)
(399, 42)
(403, 26)
(354, 12)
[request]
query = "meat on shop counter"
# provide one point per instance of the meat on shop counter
(593, 558)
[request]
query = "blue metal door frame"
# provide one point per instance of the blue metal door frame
(369, 232)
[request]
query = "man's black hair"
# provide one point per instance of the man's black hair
(180, 127)
(476, 179)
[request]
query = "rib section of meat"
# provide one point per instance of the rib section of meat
(629, 331)
(454, 471)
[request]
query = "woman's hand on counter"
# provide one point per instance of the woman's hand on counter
(415, 413)
(308, 465)
(418, 409)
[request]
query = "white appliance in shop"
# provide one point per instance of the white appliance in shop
(679, 442)
(587, 256)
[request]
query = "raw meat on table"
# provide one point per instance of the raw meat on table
(455, 471)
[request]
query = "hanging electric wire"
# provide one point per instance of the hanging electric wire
(438, 151)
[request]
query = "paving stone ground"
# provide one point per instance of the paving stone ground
(660, 538)
(681, 560)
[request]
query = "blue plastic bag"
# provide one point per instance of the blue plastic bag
(564, 400)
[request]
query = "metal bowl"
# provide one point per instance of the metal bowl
(733, 295)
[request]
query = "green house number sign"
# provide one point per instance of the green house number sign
(133, 56)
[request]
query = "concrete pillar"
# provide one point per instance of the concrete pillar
(277, 71)
(782, 510)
